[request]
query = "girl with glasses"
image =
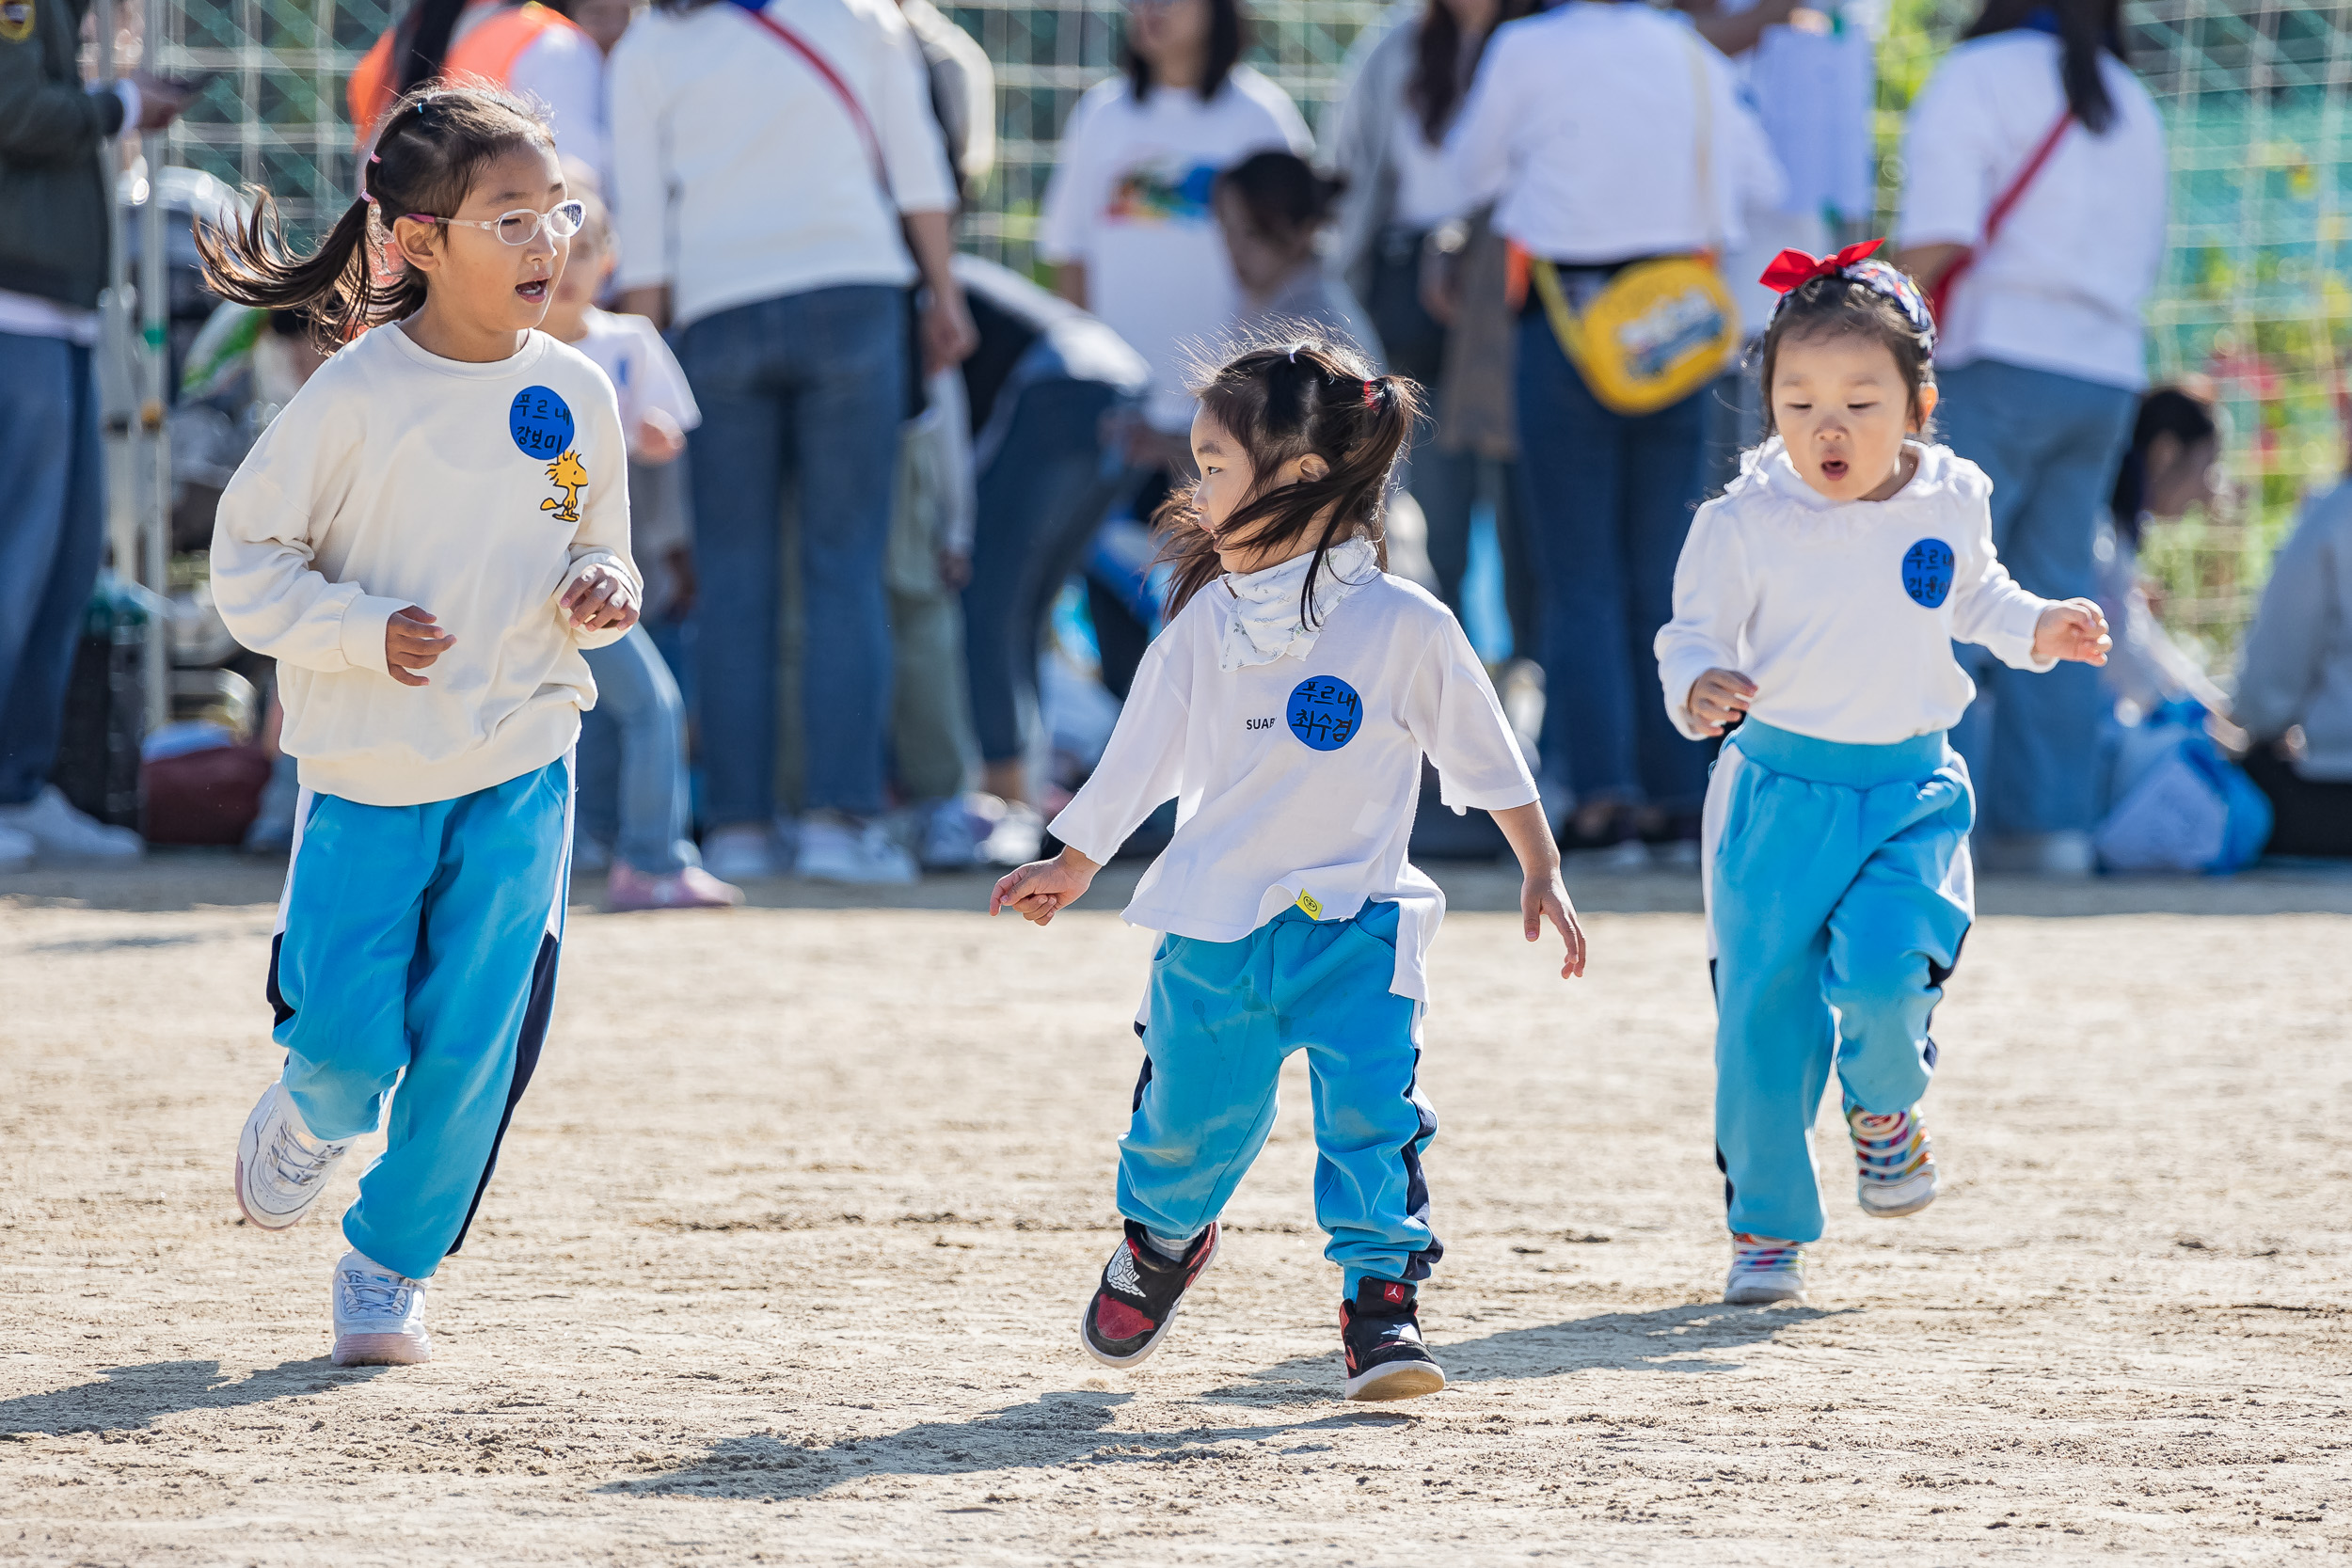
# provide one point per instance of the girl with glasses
(427, 540)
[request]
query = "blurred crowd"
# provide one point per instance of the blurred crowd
(892, 502)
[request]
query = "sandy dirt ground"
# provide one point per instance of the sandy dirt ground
(785, 1257)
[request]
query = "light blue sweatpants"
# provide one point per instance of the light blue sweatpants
(417, 946)
(1222, 1017)
(1839, 892)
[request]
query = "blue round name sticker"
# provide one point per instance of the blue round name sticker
(1928, 572)
(1324, 711)
(541, 424)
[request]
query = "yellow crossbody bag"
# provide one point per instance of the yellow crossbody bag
(1660, 331)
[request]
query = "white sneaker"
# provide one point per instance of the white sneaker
(863, 855)
(281, 1169)
(1893, 1163)
(740, 854)
(16, 849)
(60, 832)
(1019, 837)
(1763, 1271)
(379, 1316)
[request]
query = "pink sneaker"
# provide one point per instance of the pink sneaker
(693, 888)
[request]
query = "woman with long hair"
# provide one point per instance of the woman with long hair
(2034, 206)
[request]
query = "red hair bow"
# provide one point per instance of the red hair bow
(1792, 270)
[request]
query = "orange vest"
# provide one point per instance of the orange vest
(489, 50)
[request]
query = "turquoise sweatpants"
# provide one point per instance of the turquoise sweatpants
(1839, 892)
(417, 946)
(1222, 1017)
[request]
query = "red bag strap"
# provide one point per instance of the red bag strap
(791, 39)
(1941, 296)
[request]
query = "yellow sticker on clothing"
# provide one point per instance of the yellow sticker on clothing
(1306, 901)
(16, 20)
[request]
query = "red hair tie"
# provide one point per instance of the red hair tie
(1792, 270)
(1371, 393)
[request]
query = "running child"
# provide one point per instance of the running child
(425, 539)
(1286, 708)
(1815, 606)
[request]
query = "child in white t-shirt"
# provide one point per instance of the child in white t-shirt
(1287, 708)
(1816, 603)
(635, 807)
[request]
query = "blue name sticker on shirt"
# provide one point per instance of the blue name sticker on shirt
(1324, 711)
(541, 422)
(1928, 572)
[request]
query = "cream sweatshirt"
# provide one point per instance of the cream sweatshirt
(478, 492)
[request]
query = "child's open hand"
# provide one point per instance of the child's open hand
(2073, 629)
(601, 599)
(412, 641)
(1037, 891)
(1718, 697)
(657, 439)
(1542, 898)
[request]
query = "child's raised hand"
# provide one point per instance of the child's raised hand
(657, 439)
(2073, 629)
(1545, 897)
(1718, 697)
(601, 599)
(412, 640)
(1037, 891)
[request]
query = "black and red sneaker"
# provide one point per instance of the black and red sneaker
(1138, 1297)
(1380, 1331)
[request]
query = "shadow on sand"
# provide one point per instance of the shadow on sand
(126, 1398)
(1067, 1428)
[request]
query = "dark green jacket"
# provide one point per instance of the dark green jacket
(54, 185)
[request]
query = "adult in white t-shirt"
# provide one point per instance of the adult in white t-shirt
(2042, 355)
(1126, 217)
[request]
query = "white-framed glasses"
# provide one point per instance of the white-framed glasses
(521, 226)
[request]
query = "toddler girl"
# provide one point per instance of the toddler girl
(1815, 606)
(1286, 708)
(447, 494)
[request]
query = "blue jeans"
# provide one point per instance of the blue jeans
(1224, 1016)
(53, 533)
(1608, 498)
(1837, 897)
(805, 389)
(1040, 497)
(418, 946)
(2050, 444)
(632, 758)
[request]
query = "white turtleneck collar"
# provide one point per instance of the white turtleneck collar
(1262, 623)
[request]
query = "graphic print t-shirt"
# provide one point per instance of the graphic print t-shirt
(1130, 199)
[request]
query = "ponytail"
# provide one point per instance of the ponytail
(1282, 399)
(425, 159)
(2084, 29)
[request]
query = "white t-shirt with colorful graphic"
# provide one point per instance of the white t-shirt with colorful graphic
(1130, 200)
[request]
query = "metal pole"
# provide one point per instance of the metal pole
(154, 367)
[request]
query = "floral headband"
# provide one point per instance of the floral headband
(1792, 270)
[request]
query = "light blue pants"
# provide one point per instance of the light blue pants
(2050, 444)
(1839, 892)
(1223, 1017)
(417, 946)
(633, 792)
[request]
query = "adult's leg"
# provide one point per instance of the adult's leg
(735, 361)
(1572, 489)
(1205, 1101)
(1372, 1120)
(51, 535)
(1773, 876)
(2309, 816)
(1522, 602)
(479, 998)
(1894, 937)
(1664, 476)
(634, 683)
(1412, 345)
(848, 354)
(2045, 726)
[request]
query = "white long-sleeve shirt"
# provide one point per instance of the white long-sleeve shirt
(477, 492)
(1582, 123)
(1843, 613)
(737, 173)
(1295, 780)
